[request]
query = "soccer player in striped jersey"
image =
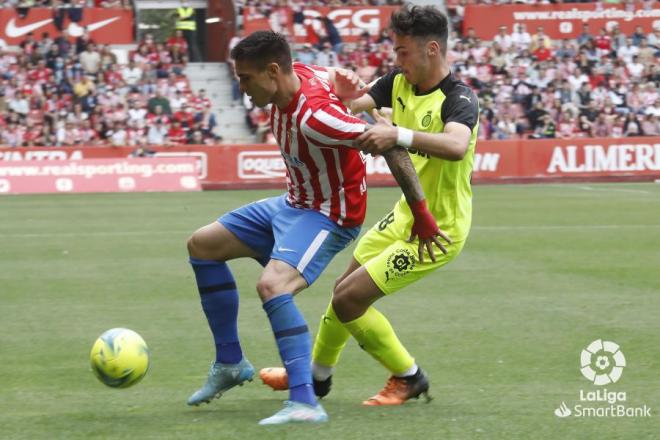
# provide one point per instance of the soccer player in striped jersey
(293, 236)
(434, 116)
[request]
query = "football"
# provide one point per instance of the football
(120, 358)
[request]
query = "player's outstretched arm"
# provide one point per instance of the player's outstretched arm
(424, 225)
(403, 170)
(351, 89)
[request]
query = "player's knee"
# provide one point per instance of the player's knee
(342, 301)
(197, 248)
(268, 287)
(191, 244)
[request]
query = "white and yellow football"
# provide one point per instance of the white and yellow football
(120, 358)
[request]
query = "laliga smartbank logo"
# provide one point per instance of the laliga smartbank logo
(602, 363)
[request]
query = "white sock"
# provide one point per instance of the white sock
(409, 372)
(321, 372)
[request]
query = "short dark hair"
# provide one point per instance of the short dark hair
(424, 22)
(262, 48)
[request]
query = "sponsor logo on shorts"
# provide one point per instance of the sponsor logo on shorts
(399, 263)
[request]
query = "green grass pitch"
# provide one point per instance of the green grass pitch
(546, 270)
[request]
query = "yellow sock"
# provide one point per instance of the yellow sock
(375, 335)
(330, 340)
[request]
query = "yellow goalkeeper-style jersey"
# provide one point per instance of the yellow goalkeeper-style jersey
(446, 183)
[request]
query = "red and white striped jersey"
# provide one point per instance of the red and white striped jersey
(315, 134)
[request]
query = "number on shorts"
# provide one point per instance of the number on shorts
(386, 221)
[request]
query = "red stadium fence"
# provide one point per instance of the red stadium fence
(99, 175)
(351, 21)
(261, 166)
(559, 21)
(106, 26)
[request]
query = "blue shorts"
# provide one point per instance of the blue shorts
(303, 238)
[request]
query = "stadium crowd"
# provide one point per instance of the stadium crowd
(24, 5)
(62, 92)
(600, 84)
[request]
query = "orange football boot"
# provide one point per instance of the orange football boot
(399, 389)
(278, 380)
(275, 377)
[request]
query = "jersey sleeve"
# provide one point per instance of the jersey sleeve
(381, 91)
(462, 106)
(330, 125)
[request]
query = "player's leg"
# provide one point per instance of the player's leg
(328, 345)
(306, 241)
(392, 270)
(332, 335)
(241, 233)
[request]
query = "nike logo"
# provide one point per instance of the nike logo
(76, 30)
(281, 249)
(17, 31)
(466, 98)
(14, 31)
(287, 363)
(403, 106)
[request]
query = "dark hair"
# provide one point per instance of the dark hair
(424, 22)
(262, 48)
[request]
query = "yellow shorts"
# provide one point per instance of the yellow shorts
(391, 261)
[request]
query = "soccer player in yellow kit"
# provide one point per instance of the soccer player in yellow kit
(434, 116)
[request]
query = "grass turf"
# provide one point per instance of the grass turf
(547, 270)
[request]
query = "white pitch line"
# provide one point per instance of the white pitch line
(634, 191)
(550, 227)
(476, 228)
(93, 234)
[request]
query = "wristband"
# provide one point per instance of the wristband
(418, 207)
(404, 137)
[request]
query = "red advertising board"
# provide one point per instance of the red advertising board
(561, 20)
(106, 26)
(261, 166)
(350, 21)
(99, 175)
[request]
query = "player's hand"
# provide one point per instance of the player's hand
(347, 85)
(379, 138)
(426, 228)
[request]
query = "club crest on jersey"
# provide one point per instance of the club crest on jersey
(399, 263)
(426, 120)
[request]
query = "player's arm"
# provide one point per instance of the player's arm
(460, 112)
(352, 90)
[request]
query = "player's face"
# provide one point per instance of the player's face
(259, 85)
(411, 57)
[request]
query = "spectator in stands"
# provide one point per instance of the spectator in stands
(83, 42)
(504, 40)
(627, 51)
(647, 54)
(19, 104)
(176, 134)
(331, 34)
(157, 134)
(520, 38)
(306, 54)
(540, 39)
(90, 60)
(638, 35)
(83, 87)
(119, 135)
(327, 57)
(131, 74)
(206, 122)
(63, 44)
(631, 125)
(585, 36)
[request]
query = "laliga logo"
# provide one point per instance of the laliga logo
(602, 362)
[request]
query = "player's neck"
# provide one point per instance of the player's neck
(289, 86)
(432, 80)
